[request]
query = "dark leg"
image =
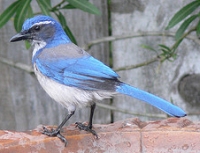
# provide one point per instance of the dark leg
(56, 132)
(88, 127)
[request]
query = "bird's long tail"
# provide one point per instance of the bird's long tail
(161, 104)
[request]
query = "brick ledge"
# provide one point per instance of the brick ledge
(130, 135)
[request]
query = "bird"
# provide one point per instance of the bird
(74, 78)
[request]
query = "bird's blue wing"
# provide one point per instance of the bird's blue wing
(84, 72)
(71, 66)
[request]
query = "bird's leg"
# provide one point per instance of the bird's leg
(56, 132)
(88, 127)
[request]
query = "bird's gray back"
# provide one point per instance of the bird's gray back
(63, 51)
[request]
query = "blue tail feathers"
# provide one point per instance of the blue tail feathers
(157, 102)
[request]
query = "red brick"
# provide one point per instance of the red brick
(131, 136)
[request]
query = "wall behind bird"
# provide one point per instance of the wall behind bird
(162, 79)
(24, 104)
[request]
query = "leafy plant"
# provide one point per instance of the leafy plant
(181, 15)
(187, 16)
(21, 9)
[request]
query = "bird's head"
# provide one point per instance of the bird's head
(42, 29)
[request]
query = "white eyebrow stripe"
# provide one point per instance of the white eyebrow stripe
(43, 22)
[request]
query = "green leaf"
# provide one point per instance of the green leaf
(29, 12)
(68, 6)
(28, 15)
(70, 34)
(85, 6)
(45, 6)
(27, 44)
(61, 18)
(8, 13)
(177, 44)
(183, 27)
(165, 52)
(183, 13)
(164, 47)
(148, 47)
(198, 29)
(48, 3)
(21, 14)
(65, 27)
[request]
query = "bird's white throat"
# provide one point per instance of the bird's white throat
(37, 45)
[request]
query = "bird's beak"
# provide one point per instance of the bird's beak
(21, 36)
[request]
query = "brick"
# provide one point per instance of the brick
(128, 136)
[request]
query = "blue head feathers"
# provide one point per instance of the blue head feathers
(42, 28)
(39, 19)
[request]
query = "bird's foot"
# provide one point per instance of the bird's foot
(54, 133)
(81, 126)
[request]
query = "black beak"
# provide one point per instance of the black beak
(24, 35)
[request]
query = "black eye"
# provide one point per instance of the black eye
(37, 28)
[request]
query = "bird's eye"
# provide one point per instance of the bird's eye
(37, 28)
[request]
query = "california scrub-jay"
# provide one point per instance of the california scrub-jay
(72, 77)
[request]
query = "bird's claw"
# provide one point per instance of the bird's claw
(81, 126)
(54, 133)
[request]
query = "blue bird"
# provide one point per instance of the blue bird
(72, 77)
